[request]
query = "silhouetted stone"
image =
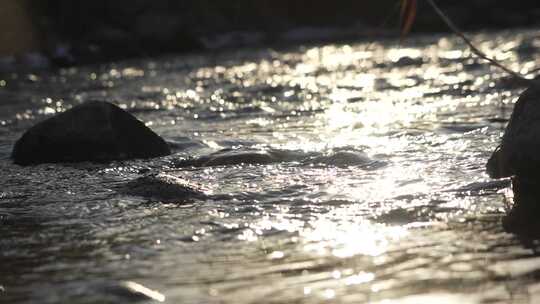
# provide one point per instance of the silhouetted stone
(344, 159)
(164, 187)
(109, 291)
(523, 218)
(231, 157)
(518, 156)
(519, 151)
(94, 131)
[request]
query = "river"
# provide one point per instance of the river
(372, 187)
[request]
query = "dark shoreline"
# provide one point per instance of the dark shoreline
(86, 32)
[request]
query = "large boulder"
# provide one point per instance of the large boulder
(518, 156)
(519, 151)
(94, 131)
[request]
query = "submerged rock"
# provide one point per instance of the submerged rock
(343, 159)
(165, 187)
(519, 151)
(108, 291)
(94, 131)
(231, 157)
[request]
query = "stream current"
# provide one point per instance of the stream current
(338, 173)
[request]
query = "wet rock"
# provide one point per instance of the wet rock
(408, 61)
(522, 218)
(107, 291)
(246, 157)
(343, 159)
(132, 291)
(94, 131)
(230, 157)
(510, 83)
(479, 188)
(518, 154)
(164, 187)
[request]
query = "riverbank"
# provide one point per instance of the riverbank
(68, 33)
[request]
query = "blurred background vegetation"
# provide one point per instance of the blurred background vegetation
(99, 30)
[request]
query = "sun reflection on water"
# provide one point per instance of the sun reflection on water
(349, 239)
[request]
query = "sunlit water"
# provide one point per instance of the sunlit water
(354, 173)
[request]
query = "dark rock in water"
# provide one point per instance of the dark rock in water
(522, 218)
(479, 188)
(245, 157)
(343, 159)
(408, 61)
(109, 291)
(132, 291)
(518, 156)
(229, 157)
(164, 187)
(519, 151)
(94, 131)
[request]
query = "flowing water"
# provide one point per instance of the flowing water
(343, 173)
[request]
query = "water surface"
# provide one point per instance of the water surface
(343, 173)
